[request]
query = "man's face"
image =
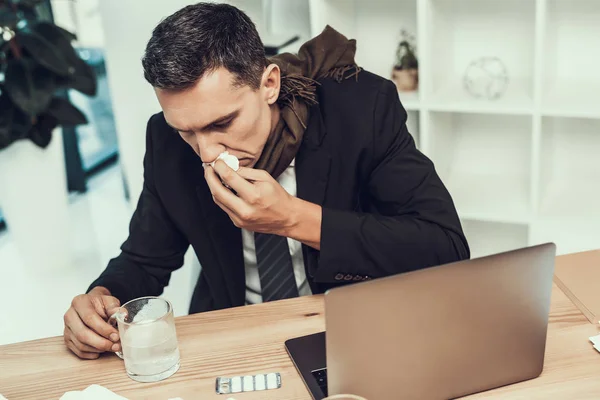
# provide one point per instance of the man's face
(215, 115)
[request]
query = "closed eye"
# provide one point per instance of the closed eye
(185, 133)
(222, 125)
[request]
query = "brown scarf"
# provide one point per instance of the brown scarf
(330, 54)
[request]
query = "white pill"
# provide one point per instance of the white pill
(236, 384)
(260, 382)
(272, 381)
(248, 383)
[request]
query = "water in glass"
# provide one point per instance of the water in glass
(150, 349)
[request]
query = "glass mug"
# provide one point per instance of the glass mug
(148, 339)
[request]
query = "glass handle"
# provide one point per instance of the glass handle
(113, 321)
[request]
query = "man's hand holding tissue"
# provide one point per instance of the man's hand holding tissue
(260, 204)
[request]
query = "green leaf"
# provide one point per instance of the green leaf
(44, 52)
(41, 132)
(83, 80)
(83, 77)
(54, 33)
(8, 18)
(28, 13)
(30, 3)
(30, 87)
(14, 124)
(65, 113)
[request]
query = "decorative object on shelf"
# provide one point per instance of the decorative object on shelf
(405, 73)
(37, 66)
(486, 77)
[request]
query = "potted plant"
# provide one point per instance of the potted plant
(38, 64)
(405, 73)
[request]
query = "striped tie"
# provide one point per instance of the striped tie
(275, 268)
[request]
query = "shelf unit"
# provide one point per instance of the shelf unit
(525, 168)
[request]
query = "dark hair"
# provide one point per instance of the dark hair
(201, 38)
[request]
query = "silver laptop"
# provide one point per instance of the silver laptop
(437, 333)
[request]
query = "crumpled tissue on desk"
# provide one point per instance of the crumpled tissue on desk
(596, 342)
(95, 392)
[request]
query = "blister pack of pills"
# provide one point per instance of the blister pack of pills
(248, 383)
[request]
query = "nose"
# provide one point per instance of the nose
(208, 147)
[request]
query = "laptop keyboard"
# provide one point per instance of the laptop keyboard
(321, 377)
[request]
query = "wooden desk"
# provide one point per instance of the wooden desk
(249, 340)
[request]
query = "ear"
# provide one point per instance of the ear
(271, 83)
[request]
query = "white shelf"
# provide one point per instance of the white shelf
(571, 55)
(375, 24)
(484, 162)
(410, 100)
(379, 23)
(570, 173)
(565, 197)
(571, 234)
(462, 31)
(490, 198)
(521, 169)
(571, 99)
(506, 237)
(413, 126)
(454, 98)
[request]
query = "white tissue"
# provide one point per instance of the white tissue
(595, 340)
(93, 392)
(231, 161)
(2, 397)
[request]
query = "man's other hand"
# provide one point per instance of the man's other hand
(87, 332)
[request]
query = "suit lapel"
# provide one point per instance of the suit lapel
(226, 243)
(313, 161)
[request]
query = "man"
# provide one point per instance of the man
(331, 189)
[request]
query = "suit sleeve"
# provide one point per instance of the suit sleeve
(153, 249)
(413, 223)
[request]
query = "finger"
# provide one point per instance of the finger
(112, 308)
(106, 305)
(85, 334)
(81, 354)
(222, 194)
(80, 346)
(88, 313)
(254, 175)
(243, 188)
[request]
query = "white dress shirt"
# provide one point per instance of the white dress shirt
(253, 290)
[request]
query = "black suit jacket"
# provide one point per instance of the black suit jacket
(385, 210)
